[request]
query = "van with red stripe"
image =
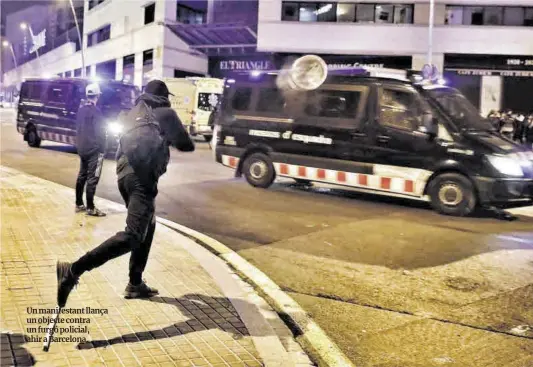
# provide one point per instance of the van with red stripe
(384, 135)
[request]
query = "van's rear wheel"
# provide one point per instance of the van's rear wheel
(452, 194)
(33, 139)
(259, 170)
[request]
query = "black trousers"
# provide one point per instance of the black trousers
(137, 237)
(89, 174)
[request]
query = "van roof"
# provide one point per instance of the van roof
(73, 79)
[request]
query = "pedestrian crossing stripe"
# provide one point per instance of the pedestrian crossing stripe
(392, 179)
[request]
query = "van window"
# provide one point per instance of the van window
(402, 109)
(241, 99)
(270, 100)
(333, 103)
(25, 91)
(32, 90)
(57, 93)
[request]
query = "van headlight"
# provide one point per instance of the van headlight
(114, 127)
(506, 165)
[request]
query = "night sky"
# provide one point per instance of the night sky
(10, 6)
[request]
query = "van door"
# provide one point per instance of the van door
(31, 104)
(329, 131)
(183, 100)
(56, 114)
(399, 149)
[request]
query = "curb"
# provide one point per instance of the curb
(312, 338)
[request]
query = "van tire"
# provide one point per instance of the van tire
(33, 139)
(452, 194)
(259, 170)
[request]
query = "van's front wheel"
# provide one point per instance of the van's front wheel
(452, 194)
(259, 170)
(33, 139)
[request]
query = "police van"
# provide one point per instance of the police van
(47, 108)
(394, 135)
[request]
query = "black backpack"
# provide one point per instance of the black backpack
(142, 143)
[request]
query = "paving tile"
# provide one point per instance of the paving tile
(179, 328)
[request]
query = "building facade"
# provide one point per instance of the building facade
(485, 50)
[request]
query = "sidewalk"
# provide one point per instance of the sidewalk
(192, 323)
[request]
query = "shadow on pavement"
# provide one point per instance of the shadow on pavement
(180, 328)
(13, 352)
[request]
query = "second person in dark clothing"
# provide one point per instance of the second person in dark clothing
(90, 143)
(139, 190)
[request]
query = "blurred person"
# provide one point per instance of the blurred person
(90, 143)
(137, 182)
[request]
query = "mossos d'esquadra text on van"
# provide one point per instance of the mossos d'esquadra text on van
(288, 135)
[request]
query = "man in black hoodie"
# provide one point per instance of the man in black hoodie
(90, 143)
(139, 192)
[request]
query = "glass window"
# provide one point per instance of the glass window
(149, 13)
(327, 12)
(242, 98)
(36, 90)
(403, 14)
(332, 103)
(57, 93)
(365, 13)
(92, 4)
(188, 15)
(384, 13)
(513, 16)
(473, 15)
(402, 109)
(345, 12)
(289, 11)
(77, 72)
(454, 15)
(493, 15)
(208, 101)
(270, 100)
(528, 18)
(308, 12)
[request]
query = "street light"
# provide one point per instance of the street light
(430, 36)
(79, 38)
(6, 44)
(25, 26)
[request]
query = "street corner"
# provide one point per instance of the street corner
(204, 314)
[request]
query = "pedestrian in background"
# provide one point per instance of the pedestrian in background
(137, 182)
(90, 143)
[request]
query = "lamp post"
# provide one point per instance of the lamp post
(79, 37)
(6, 44)
(25, 26)
(430, 36)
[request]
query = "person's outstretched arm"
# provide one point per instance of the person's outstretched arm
(173, 129)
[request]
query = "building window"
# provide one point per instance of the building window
(289, 12)
(94, 3)
(489, 15)
(128, 68)
(148, 66)
(101, 35)
(77, 72)
(365, 13)
(149, 13)
(347, 12)
(189, 15)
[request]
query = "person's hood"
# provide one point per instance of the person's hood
(153, 100)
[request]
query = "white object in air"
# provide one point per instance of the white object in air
(308, 72)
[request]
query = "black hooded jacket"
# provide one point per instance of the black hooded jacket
(172, 130)
(90, 130)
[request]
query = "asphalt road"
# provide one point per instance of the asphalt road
(392, 282)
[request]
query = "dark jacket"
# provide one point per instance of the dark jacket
(173, 132)
(90, 130)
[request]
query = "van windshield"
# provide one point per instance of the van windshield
(119, 95)
(462, 112)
